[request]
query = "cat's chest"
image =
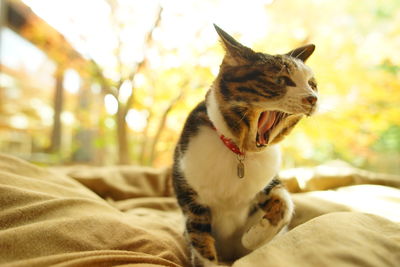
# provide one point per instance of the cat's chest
(210, 168)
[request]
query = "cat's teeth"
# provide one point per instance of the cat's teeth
(259, 145)
(266, 137)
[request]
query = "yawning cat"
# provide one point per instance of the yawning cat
(226, 160)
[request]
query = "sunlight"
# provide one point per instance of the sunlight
(14, 50)
(44, 111)
(67, 117)
(109, 123)
(125, 91)
(19, 121)
(303, 175)
(111, 104)
(72, 81)
(93, 35)
(139, 80)
(82, 28)
(137, 119)
(365, 198)
(95, 88)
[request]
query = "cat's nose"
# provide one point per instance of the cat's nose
(310, 100)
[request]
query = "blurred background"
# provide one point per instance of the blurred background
(111, 81)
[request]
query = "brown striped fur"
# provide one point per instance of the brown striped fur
(248, 78)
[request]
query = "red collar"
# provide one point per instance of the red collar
(229, 144)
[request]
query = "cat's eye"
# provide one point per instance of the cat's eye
(280, 81)
(284, 81)
(313, 84)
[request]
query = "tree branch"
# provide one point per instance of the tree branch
(161, 125)
(117, 29)
(142, 64)
(105, 83)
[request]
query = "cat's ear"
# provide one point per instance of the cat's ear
(236, 53)
(303, 52)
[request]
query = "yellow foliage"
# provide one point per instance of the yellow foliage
(357, 67)
(356, 63)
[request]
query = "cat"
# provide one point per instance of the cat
(226, 160)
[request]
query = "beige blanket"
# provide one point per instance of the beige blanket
(110, 216)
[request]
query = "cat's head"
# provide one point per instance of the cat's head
(262, 96)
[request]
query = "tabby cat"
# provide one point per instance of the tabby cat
(226, 160)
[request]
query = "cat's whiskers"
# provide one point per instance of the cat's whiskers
(291, 53)
(324, 108)
(279, 73)
(301, 94)
(302, 108)
(242, 118)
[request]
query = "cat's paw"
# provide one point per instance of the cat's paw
(278, 209)
(213, 264)
(259, 234)
(207, 259)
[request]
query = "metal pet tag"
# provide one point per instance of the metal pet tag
(240, 169)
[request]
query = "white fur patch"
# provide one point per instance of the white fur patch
(210, 169)
(292, 102)
(215, 115)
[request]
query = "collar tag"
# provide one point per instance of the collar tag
(235, 149)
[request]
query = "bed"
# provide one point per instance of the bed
(127, 215)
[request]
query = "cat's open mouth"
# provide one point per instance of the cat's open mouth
(267, 121)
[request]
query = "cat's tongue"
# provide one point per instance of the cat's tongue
(267, 119)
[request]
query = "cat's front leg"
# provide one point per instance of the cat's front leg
(203, 250)
(197, 223)
(198, 233)
(272, 211)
